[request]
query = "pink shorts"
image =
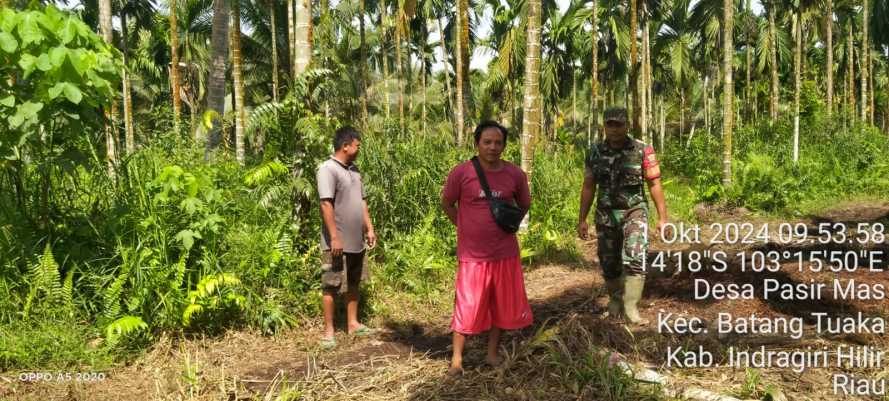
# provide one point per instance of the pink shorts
(490, 293)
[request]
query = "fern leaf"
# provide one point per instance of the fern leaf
(45, 276)
(68, 290)
(111, 296)
(180, 270)
(264, 117)
(124, 327)
(264, 172)
(274, 196)
(50, 272)
(210, 283)
(284, 244)
(191, 310)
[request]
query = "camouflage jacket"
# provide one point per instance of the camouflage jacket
(621, 173)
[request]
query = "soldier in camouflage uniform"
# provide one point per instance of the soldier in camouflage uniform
(619, 167)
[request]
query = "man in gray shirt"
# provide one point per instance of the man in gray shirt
(346, 224)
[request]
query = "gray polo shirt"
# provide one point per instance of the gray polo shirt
(342, 184)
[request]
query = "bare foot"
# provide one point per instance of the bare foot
(494, 362)
(455, 371)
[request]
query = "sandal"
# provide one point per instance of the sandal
(363, 331)
(327, 343)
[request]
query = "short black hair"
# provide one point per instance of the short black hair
(490, 124)
(345, 136)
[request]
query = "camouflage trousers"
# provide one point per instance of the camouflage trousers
(623, 241)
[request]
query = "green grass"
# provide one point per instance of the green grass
(680, 197)
(51, 344)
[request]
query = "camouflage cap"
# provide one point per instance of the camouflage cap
(618, 114)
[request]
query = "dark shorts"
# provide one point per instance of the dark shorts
(341, 274)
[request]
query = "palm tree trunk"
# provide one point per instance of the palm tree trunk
(681, 111)
(633, 88)
(797, 56)
(728, 91)
(512, 109)
(174, 64)
(125, 78)
(737, 112)
(240, 115)
(749, 55)
(408, 71)
(707, 102)
(458, 63)
(605, 98)
(845, 104)
(219, 56)
(774, 94)
(274, 28)
(649, 86)
(383, 18)
(291, 39)
(594, 74)
(851, 70)
(303, 35)
(573, 100)
(886, 87)
(663, 125)
(863, 54)
(828, 33)
(110, 132)
(362, 10)
(399, 71)
(465, 55)
(873, 89)
(228, 137)
(643, 90)
(193, 114)
(532, 113)
(628, 99)
(755, 106)
(444, 70)
(423, 77)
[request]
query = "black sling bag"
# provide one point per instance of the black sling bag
(507, 216)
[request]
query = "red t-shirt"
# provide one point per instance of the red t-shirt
(479, 239)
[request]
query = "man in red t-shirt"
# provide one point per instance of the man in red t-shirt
(490, 288)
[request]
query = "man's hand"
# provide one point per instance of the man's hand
(336, 247)
(660, 227)
(587, 193)
(449, 209)
(657, 195)
(371, 239)
(583, 230)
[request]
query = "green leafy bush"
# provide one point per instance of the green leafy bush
(761, 185)
(216, 298)
(64, 70)
(832, 159)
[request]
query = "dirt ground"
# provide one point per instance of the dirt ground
(407, 360)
